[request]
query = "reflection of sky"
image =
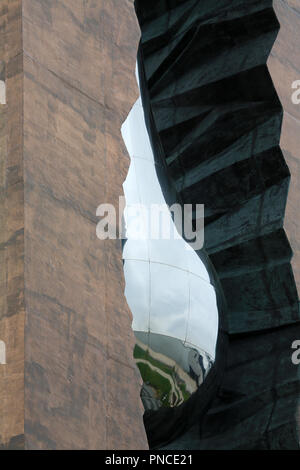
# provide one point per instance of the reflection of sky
(167, 285)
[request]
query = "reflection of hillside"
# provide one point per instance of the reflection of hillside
(166, 383)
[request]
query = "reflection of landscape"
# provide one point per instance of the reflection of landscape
(171, 371)
(168, 287)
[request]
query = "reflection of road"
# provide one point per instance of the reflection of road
(175, 390)
(190, 383)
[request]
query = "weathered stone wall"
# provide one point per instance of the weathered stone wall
(11, 228)
(81, 384)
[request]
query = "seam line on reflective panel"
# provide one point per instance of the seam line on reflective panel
(169, 265)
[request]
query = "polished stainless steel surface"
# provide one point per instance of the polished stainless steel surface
(168, 289)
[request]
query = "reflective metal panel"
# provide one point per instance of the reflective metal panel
(168, 289)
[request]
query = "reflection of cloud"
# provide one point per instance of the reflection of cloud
(168, 289)
(167, 286)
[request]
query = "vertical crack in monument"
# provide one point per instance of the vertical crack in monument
(214, 116)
